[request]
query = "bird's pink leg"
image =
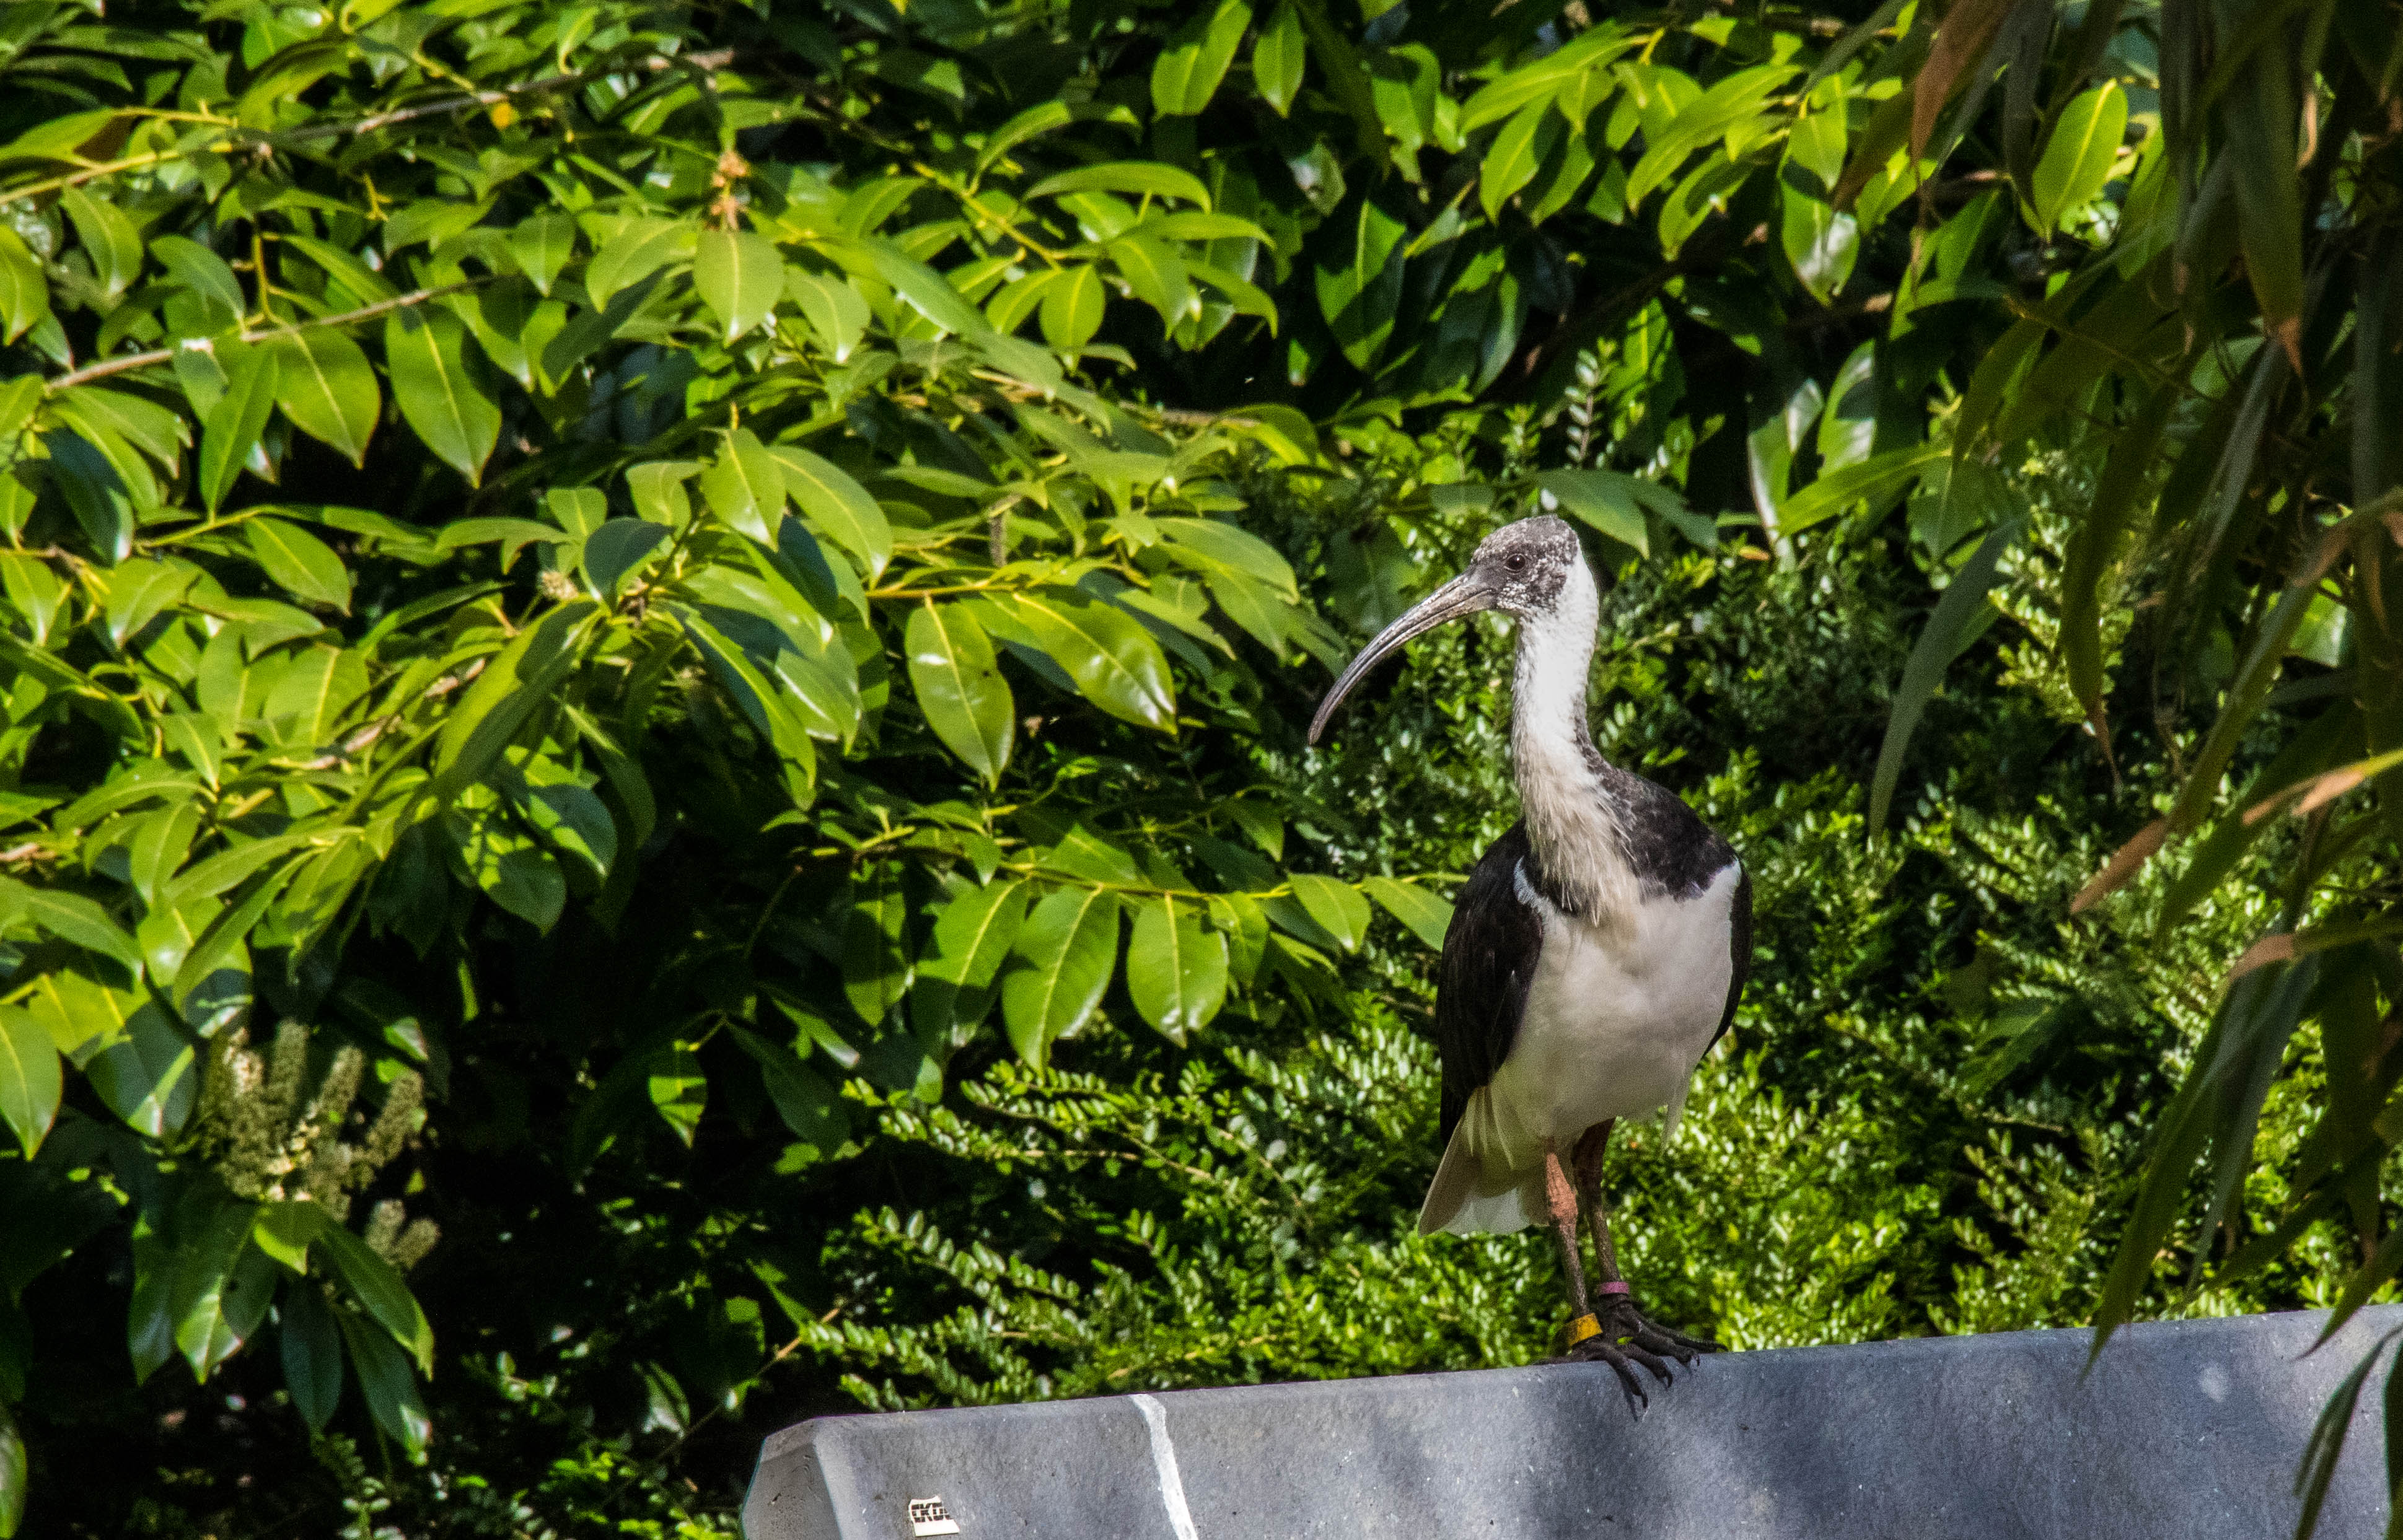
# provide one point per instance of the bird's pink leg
(1620, 1320)
(1590, 1336)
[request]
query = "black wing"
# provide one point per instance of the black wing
(1489, 961)
(1738, 948)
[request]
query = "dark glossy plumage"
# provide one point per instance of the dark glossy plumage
(1490, 951)
(1489, 961)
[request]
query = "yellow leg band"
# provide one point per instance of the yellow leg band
(1584, 1326)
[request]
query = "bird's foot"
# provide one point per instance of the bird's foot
(1620, 1335)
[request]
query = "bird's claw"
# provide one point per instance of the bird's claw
(1622, 1360)
(1628, 1339)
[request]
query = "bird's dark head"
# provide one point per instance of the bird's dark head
(1525, 565)
(1522, 569)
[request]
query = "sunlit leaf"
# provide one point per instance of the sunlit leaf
(1187, 73)
(2078, 158)
(30, 1083)
(1064, 956)
(740, 276)
(443, 389)
(958, 684)
(327, 388)
(1176, 968)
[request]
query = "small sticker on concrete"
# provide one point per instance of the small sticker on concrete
(927, 1516)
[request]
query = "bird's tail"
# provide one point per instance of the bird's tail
(1478, 1189)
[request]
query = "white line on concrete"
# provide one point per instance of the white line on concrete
(1163, 1455)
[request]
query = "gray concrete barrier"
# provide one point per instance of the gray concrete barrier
(2185, 1429)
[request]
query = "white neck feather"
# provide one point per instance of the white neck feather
(1568, 806)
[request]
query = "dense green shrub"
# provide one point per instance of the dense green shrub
(656, 658)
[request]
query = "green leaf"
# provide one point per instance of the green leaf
(1235, 548)
(1112, 660)
(364, 285)
(513, 870)
(1176, 967)
(543, 246)
(1512, 161)
(30, 1083)
(96, 493)
(1040, 118)
(383, 1376)
(739, 275)
(24, 291)
(202, 1297)
(301, 564)
(617, 549)
(314, 690)
(327, 388)
(378, 1288)
(2260, 115)
(1592, 50)
(633, 254)
(770, 712)
(205, 278)
(285, 1230)
(497, 704)
(1427, 915)
(1278, 57)
(1359, 286)
(1337, 908)
(443, 389)
(313, 1358)
(1879, 476)
(1937, 645)
(148, 1075)
(139, 590)
(1346, 77)
(70, 917)
(1073, 303)
(1821, 242)
(658, 490)
(12, 1474)
(679, 1091)
(150, 1329)
(959, 687)
(876, 963)
(109, 239)
(1187, 73)
(1155, 275)
(838, 505)
(971, 939)
(19, 398)
(568, 816)
(808, 1105)
(230, 868)
(1609, 501)
(2078, 158)
(745, 487)
(923, 289)
(1064, 956)
(229, 433)
(158, 848)
(832, 307)
(1141, 178)
(2094, 543)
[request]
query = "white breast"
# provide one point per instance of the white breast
(1616, 1018)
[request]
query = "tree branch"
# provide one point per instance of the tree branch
(240, 142)
(257, 334)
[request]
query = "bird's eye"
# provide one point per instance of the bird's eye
(1516, 563)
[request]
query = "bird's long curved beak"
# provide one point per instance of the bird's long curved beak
(1463, 595)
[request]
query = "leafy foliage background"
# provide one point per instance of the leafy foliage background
(656, 661)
